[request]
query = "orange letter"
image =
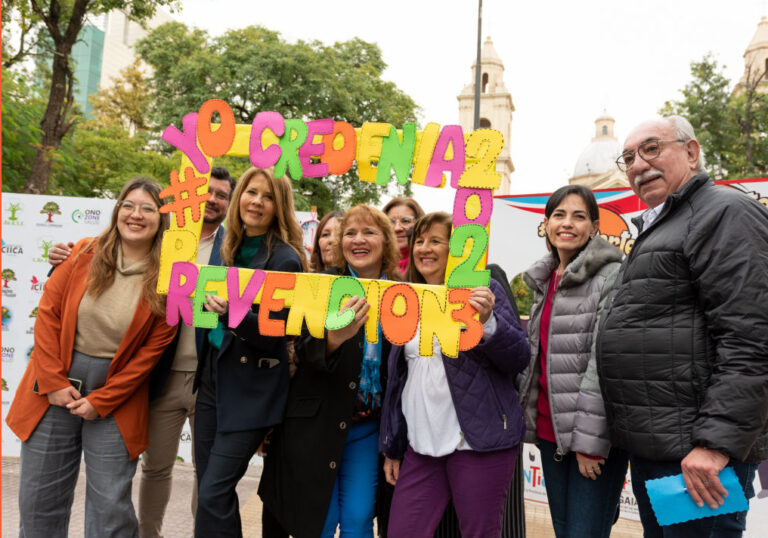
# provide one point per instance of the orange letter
(466, 315)
(215, 143)
(268, 326)
(339, 159)
(399, 328)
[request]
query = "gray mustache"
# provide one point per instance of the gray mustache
(646, 176)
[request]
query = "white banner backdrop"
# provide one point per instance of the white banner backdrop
(31, 225)
(517, 240)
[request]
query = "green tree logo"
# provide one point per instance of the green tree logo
(45, 246)
(51, 208)
(33, 314)
(6, 315)
(13, 208)
(3, 385)
(7, 276)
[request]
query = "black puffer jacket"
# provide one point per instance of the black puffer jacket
(683, 351)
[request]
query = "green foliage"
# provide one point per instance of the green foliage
(730, 126)
(22, 110)
(98, 160)
(126, 102)
(523, 295)
(253, 69)
(95, 159)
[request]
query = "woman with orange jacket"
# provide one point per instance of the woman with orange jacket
(99, 332)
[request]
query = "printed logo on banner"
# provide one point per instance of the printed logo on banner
(36, 285)
(8, 275)
(89, 216)
(28, 354)
(7, 317)
(3, 386)
(8, 353)
(33, 315)
(10, 249)
(50, 209)
(44, 244)
(11, 214)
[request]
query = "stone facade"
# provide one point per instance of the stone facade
(495, 107)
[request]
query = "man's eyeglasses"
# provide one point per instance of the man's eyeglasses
(221, 195)
(145, 209)
(405, 221)
(648, 151)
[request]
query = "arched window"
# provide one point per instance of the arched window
(605, 130)
(485, 123)
(485, 82)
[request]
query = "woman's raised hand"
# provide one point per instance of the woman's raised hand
(335, 338)
(482, 299)
(216, 304)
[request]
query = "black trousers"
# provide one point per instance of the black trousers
(222, 459)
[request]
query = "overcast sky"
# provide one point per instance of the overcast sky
(564, 60)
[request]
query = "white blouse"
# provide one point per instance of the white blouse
(433, 427)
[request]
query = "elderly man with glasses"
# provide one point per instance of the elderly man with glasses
(682, 350)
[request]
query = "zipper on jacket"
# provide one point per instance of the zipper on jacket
(549, 372)
(504, 417)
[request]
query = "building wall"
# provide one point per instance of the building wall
(120, 38)
(87, 56)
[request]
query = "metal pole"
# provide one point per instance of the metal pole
(477, 63)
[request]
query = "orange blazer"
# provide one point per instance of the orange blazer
(125, 393)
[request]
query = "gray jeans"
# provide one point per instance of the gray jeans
(50, 463)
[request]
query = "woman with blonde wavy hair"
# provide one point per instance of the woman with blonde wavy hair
(322, 467)
(242, 376)
(99, 332)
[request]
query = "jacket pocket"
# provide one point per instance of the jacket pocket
(304, 408)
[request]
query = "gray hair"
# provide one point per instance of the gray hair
(684, 131)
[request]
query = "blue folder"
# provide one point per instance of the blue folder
(672, 504)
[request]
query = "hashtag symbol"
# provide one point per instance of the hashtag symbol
(184, 194)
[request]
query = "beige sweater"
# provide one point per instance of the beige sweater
(102, 321)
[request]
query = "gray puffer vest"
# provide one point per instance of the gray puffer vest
(578, 413)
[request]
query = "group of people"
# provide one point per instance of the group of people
(658, 360)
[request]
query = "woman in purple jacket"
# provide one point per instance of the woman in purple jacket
(452, 427)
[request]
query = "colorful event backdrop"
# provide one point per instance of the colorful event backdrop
(31, 224)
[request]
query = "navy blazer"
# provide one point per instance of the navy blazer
(251, 369)
(162, 371)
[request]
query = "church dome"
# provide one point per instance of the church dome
(599, 157)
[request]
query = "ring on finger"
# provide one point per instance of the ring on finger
(705, 482)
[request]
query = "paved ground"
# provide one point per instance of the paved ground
(178, 519)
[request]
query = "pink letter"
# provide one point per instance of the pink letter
(178, 293)
(460, 210)
(186, 142)
(239, 305)
(450, 134)
(309, 150)
(264, 158)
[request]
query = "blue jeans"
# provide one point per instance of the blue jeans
(581, 506)
(354, 493)
(723, 526)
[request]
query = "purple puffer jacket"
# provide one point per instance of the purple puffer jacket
(482, 387)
